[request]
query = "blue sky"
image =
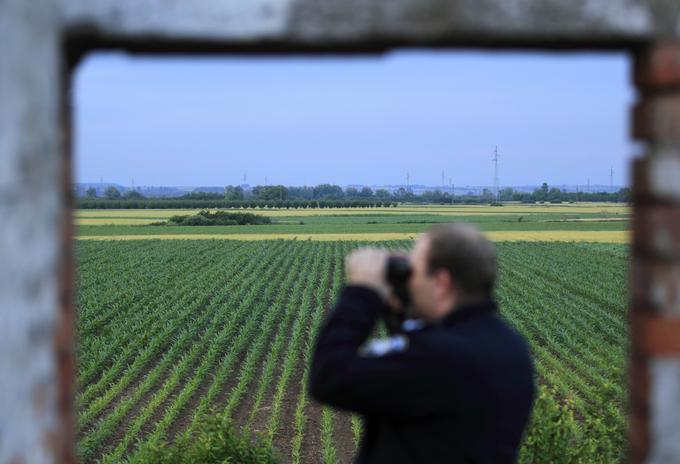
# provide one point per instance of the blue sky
(559, 118)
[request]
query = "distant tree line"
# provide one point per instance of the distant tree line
(543, 194)
(178, 203)
(548, 194)
(318, 192)
(112, 193)
(333, 196)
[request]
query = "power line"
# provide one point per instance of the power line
(452, 190)
(496, 181)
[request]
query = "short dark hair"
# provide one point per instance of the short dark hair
(467, 255)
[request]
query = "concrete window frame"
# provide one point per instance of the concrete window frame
(43, 40)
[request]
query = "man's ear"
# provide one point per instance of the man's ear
(444, 281)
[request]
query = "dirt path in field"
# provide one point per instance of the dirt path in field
(244, 410)
(186, 414)
(284, 439)
(311, 440)
(343, 436)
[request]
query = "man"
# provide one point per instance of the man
(456, 388)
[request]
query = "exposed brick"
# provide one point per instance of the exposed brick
(639, 383)
(655, 335)
(656, 231)
(63, 441)
(658, 67)
(640, 187)
(657, 118)
(639, 438)
(656, 286)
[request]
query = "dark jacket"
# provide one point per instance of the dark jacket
(459, 391)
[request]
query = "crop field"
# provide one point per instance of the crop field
(172, 331)
(593, 222)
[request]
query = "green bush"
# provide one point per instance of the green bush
(216, 441)
(555, 436)
(197, 220)
(218, 218)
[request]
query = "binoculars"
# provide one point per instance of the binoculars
(397, 274)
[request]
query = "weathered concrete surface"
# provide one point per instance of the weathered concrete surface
(664, 417)
(29, 208)
(377, 23)
(179, 19)
(662, 173)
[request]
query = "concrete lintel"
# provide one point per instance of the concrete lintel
(289, 25)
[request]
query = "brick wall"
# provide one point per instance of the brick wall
(655, 276)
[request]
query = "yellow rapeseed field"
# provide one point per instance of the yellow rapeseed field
(497, 236)
(121, 221)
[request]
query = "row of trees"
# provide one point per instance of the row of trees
(262, 192)
(178, 203)
(329, 192)
(318, 192)
(112, 193)
(544, 194)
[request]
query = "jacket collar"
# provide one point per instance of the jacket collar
(466, 312)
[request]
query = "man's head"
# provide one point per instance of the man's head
(452, 264)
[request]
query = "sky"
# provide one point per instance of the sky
(560, 118)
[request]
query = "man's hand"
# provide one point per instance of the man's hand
(366, 267)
